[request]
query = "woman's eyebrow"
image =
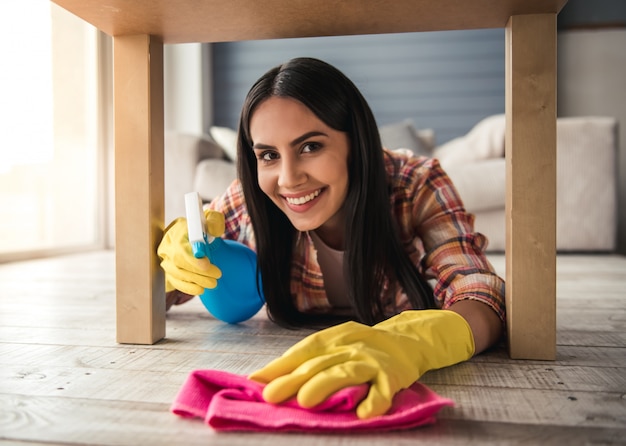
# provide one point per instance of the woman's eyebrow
(306, 136)
(260, 146)
(295, 142)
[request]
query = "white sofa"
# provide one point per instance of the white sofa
(586, 180)
(185, 158)
(586, 174)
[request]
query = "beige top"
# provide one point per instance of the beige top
(331, 264)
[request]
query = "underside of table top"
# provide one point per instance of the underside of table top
(185, 21)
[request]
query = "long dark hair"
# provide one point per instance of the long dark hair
(374, 251)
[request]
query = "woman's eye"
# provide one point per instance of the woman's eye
(268, 156)
(310, 147)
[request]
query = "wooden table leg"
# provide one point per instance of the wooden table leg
(531, 186)
(139, 190)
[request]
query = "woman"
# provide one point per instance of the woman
(343, 227)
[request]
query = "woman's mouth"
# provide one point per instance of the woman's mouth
(303, 199)
(302, 202)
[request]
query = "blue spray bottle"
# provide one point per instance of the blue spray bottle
(236, 297)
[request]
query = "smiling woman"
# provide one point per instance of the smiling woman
(345, 229)
(302, 163)
(48, 121)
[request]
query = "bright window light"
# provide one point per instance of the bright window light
(25, 84)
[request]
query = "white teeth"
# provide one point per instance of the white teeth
(304, 199)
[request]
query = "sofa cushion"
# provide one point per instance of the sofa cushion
(480, 185)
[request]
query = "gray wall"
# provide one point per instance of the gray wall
(446, 81)
(596, 13)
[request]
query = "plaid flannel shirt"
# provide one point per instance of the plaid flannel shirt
(436, 231)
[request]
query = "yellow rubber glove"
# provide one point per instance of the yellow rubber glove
(183, 271)
(390, 356)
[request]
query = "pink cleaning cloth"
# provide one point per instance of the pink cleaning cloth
(229, 402)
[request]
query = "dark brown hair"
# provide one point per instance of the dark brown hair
(374, 250)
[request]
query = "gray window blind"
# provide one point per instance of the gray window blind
(446, 81)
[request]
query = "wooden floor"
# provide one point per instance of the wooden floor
(64, 380)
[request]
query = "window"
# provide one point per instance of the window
(50, 174)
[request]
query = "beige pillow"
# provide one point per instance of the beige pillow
(226, 138)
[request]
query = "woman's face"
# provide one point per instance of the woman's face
(302, 166)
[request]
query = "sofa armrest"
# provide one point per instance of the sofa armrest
(586, 183)
(183, 152)
(213, 177)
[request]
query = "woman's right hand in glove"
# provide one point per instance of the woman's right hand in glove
(183, 271)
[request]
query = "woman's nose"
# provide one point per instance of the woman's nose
(291, 173)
